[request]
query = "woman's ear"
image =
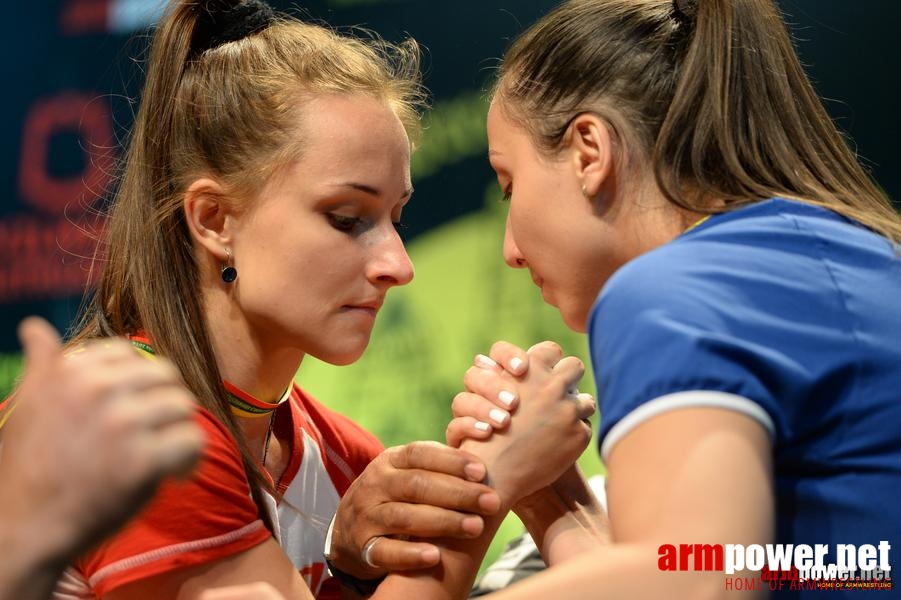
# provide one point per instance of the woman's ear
(591, 147)
(208, 216)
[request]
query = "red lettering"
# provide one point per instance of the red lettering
(708, 557)
(90, 118)
(684, 553)
(667, 560)
(46, 259)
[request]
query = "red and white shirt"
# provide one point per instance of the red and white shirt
(212, 516)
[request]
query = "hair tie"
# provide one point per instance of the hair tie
(223, 22)
(685, 10)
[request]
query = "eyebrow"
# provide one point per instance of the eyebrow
(368, 189)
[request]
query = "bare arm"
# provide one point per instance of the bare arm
(565, 519)
(694, 475)
(265, 562)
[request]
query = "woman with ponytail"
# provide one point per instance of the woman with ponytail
(677, 190)
(254, 223)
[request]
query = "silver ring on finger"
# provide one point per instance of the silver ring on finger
(367, 551)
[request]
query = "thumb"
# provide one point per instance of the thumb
(40, 342)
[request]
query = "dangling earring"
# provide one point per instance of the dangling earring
(585, 193)
(228, 272)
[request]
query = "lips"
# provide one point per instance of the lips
(375, 304)
(369, 306)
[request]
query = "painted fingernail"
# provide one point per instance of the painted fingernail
(516, 364)
(506, 397)
(498, 416)
(475, 471)
(484, 362)
(482, 426)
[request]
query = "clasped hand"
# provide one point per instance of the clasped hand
(523, 416)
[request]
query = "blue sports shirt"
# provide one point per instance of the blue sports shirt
(788, 313)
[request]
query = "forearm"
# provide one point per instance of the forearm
(565, 519)
(452, 579)
(622, 571)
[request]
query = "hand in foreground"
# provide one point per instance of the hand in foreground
(546, 434)
(421, 490)
(90, 437)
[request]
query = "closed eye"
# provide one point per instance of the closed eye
(343, 223)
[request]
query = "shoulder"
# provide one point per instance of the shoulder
(733, 309)
(759, 258)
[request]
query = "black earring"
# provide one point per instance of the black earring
(228, 272)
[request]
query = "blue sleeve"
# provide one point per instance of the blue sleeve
(669, 323)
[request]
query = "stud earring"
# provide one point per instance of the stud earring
(585, 193)
(228, 272)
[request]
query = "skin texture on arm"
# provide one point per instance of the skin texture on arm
(265, 563)
(694, 475)
(90, 437)
(565, 519)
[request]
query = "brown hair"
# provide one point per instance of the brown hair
(716, 101)
(225, 112)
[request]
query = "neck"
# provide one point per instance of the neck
(246, 359)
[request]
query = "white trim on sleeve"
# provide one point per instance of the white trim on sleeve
(689, 399)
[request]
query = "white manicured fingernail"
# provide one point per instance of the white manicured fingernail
(506, 397)
(516, 363)
(482, 426)
(485, 362)
(585, 397)
(498, 416)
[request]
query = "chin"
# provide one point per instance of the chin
(342, 356)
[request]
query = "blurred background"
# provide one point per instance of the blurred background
(75, 68)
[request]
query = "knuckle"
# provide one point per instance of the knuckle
(415, 486)
(500, 348)
(471, 377)
(458, 404)
(550, 346)
(397, 517)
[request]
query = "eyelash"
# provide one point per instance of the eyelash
(342, 223)
(348, 224)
